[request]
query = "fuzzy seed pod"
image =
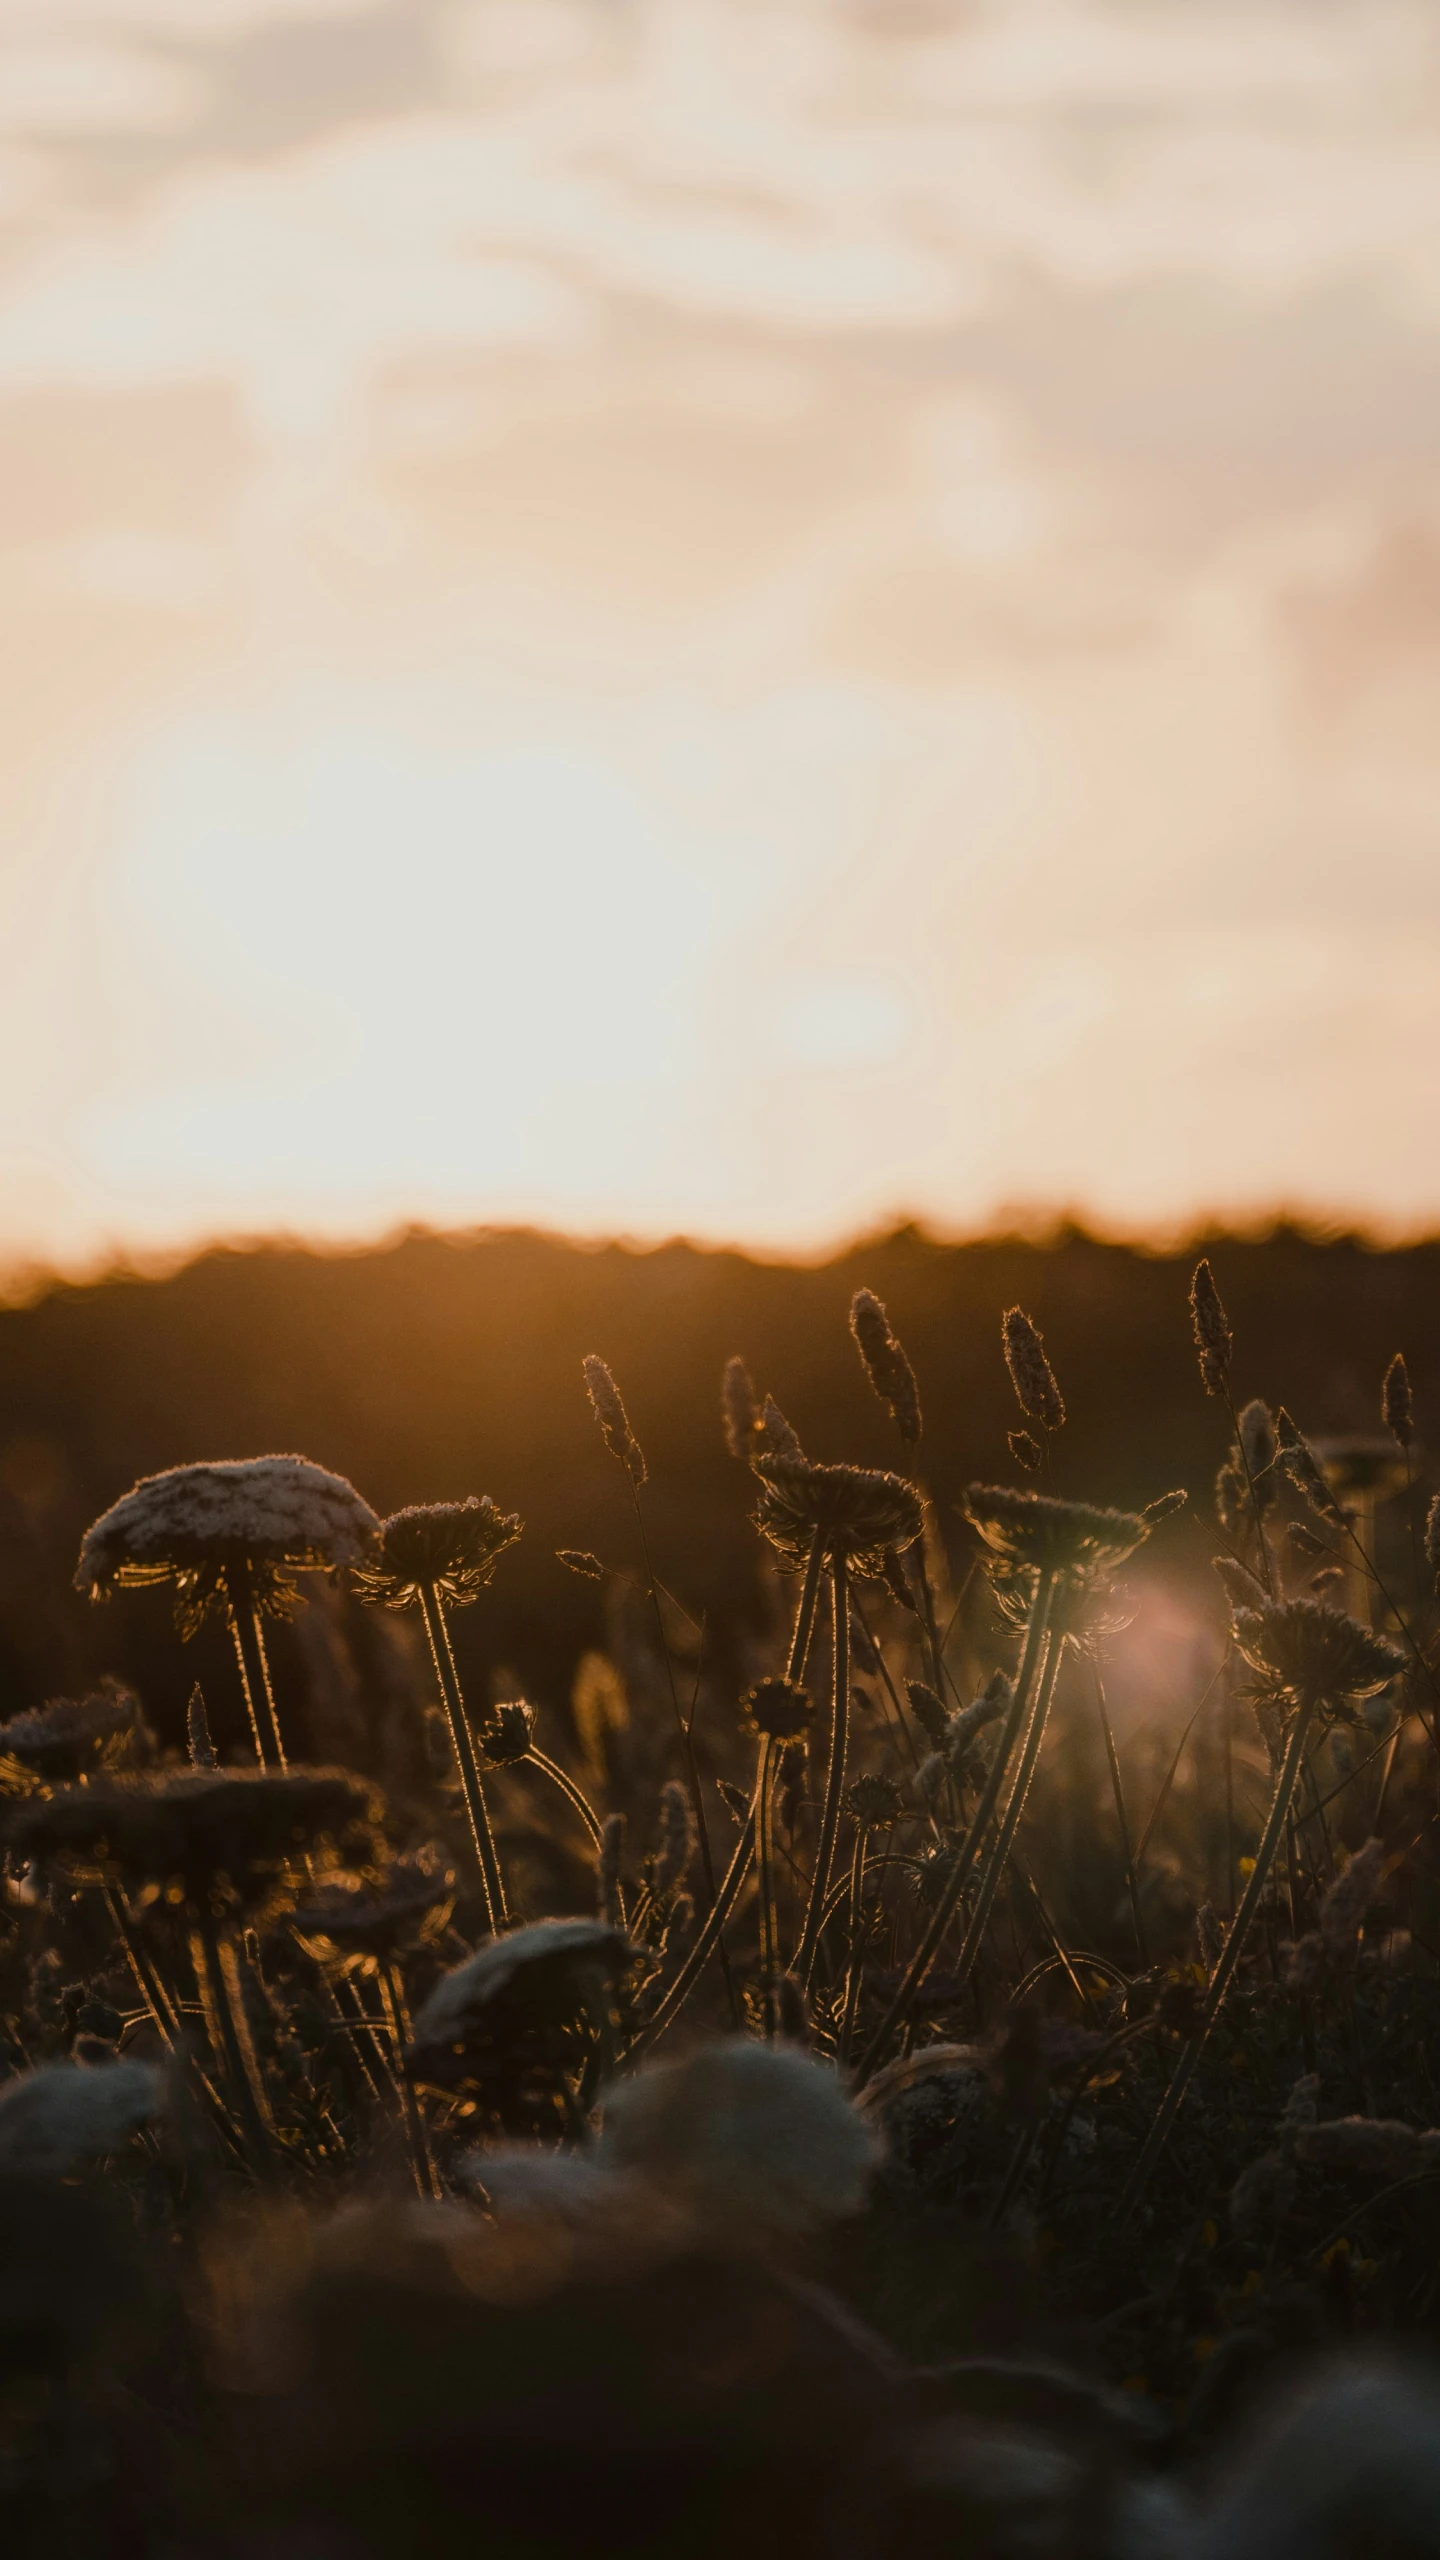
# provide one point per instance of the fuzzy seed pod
(677, 1837)
(886, 1365)
(1257, 1440)
(1031, 1375)
(776, 1438)
(739, 1412)
(609, 1411)
(928, 1711)
(1342, 1913)
(1397, 1406)
(1213, 1339)
(1165, 1506)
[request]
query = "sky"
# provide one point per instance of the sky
(745, 617)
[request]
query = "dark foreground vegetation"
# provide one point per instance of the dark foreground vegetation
(732, 2041)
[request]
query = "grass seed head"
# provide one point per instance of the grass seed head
(1397, 1405)
(739, 1412)
(886, 1365)
(608, 1407)
(1213, 1338)
(1031, 1375)
(677, 1837)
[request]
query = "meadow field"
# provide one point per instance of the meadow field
(651, 1898)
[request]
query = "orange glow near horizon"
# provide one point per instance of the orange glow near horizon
(728, 616)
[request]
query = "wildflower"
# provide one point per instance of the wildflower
(1310, 1651)
(874, 1803)
(226, 1838)
(738, 1409)
(1031, 1375)
(70, 1735)
(273, 1516)
(1213, 1338)
(1342, 1913)
(533, 1977)
(1368, 2147)
(750, 2139)
(1035, 1532)
(359, 1925)
(857, 1512)
(778, 1709)
(609, 1410)
(1397, 1405)
(580, 1560)
(677, 1837)
(65, 2116)
(886, 1365)
(450, 1548)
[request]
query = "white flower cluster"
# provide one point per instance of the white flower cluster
(280, 1509)
(64, 2116)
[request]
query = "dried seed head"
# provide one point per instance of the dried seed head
(608, 1864)
(1025, 1449)
(739, 1411)
(1213, 1338)
(451, 1548)
(737, 1802)
(507, 1733)
(1232, 1499)
(778, 1709)
(1329, 1578)
(1031, 1375)
(203, 1754)
(68, 1737)
(962, 1728)
(748, 2138)
(928, 1711)
(1397, 1406)
(874, 1803)
(358, 1925)
(886, 1365)
(677, 1837)
(1304, 1540)
(858, 1512)
(1210, 1935)
(614, 1421)
(1257, 1437)
(229, 1838)
(1342, 1913)
(1035, 1532)
(776, 1438)
(1315, 1653)
(580, 1560)
(534, 1977)
(1244, 1588)
(1368, 2146)
(1164, 1506)
(194, 1526)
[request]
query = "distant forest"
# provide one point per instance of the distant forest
(439, 1366)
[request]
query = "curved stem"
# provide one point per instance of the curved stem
(803, 1630)
(1230, 1953)
(552, 1770)
(704, 1947)
(397, 2019)
(1036, 1635)
(463, 1746)
(835, 1776)
(765, 1880)
(857, 1947)
(995, 1864)
(254, 1669)
(164, 2015)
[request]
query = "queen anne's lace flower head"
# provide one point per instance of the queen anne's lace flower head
(1304, 1650)
(749, 2138)
(451, 1548)
(227, 1837)
(532, 1978)
(66, 2115)
(358, 1925)
(1037, 1533)
(273, 1516)
(859, 1512)
(68, 1736)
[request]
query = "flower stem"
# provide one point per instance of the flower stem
(392, 2000)
(857, 1947)
(217, 1980)
(558, 1777)
(1230, 1953)
(1121, 1817)
(254, 1668)
(1036, 1634)
(835, 1775)
(765, 1881)
(463, 1746)
(995, 1864)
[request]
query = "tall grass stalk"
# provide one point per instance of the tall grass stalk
(448, 1680)
(1036, 1638)
(217, 1979)
(1230, 1954)
(996, 1863)
(835, 1773)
